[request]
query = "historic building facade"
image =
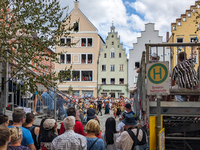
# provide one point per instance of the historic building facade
(185, 30)
(150, 35)
(82, 56)
(112, 67)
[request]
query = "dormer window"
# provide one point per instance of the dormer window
(189, 14)
(179, 23)
(184, 19)
(174, 27)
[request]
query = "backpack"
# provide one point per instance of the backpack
(135, 138)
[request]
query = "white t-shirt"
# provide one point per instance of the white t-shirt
(120, 127)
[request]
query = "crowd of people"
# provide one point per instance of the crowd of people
(80, 130)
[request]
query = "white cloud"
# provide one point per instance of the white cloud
(102, 12)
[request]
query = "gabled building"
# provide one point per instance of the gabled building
(112, 67)
(185, 30)
(82, 57)
(150, 35)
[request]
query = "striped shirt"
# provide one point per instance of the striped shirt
(186, 74)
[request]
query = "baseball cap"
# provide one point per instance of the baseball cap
(49, 124)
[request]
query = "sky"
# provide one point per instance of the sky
(130, 16)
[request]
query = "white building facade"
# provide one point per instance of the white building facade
(150, 35)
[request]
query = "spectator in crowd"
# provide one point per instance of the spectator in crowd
(186, 75)
(99, 105)
(78, 128)
(120, 127)
(93, 143)
(48, 131)
(90, 113)
(132, 136)
(69, 140)
(4, 137)
(110, 135)
(128, 109)
(34, 130)
(107, 110)
(19, 117)
(16, 139)
(4, 119)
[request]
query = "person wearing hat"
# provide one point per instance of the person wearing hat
(48, 131)
(154, 58)
(90, 113)
(132, 137)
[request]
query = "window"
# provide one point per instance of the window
(106, 46)
(112, 81)
(89, 42)
(194, 10)
(103, 81)
(112, 43)
(65, 75)
(112, 36)
(121, 80)
(112, 54)
(179, 23)
(135, 79)
(68, 58)
(195, 59)
(184, 19)
(75, 93)
(118, 46)
(120, 55)
(62, 41)
(112, 67)
(179, 40)
(104, 55)
(89, 59)
(62, 58)
(198, 6)
(121, 67)
(103, 68)
(199, 26)
(86, 76)
(83, 58)
(76, 76)
(68, 41)
(192, 39)
(83, 42)
(174, 27)
(76, 26)
(189, 14)
(137, 65)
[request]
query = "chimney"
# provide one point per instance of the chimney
(167, 36)
(76, 4)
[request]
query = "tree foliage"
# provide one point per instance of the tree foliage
(27, 29)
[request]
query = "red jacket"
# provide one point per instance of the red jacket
(78, 128)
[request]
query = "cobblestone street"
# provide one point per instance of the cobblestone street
(104, 117)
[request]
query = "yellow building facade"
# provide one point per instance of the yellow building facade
(82, 56)
(185, 30)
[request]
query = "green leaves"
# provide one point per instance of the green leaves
(28, 28)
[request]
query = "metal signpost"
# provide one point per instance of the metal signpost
(158, 85)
